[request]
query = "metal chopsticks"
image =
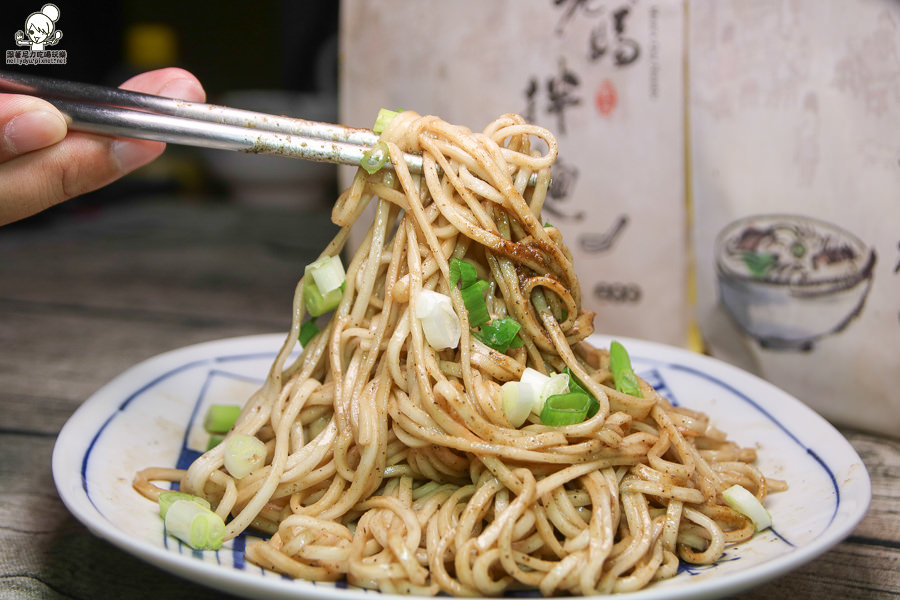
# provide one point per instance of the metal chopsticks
(112, 111)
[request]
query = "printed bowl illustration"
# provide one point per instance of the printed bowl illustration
(788, 280)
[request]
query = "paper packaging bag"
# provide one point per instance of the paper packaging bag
(794, 118)
(795, 137)
(605, 76)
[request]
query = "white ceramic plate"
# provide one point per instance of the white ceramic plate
(148, 416)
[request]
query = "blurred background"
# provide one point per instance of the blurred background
(276, 56)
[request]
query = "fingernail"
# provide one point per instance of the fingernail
(130, 155)
(33, 130)
(182, 88)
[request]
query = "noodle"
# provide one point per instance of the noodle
(391, 465)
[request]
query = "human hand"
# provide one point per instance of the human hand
(40, 165)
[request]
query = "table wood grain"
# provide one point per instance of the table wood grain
(84, 296)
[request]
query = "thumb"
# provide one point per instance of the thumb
(27, 124)
(81, 162)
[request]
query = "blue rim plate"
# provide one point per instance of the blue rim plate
(148, 416)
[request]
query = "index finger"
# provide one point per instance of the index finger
(171, 82)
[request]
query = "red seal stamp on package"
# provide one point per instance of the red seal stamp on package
(606, 98)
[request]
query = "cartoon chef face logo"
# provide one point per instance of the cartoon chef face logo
(40, 29)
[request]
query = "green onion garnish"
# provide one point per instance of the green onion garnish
(440, 324)
(214, 440)
(384, 117)
(473, 298)
(462, 271)
(308, 331)
(375, 158)
(220, 418)
(316, 303)
(623, 375)
(243, 454)
(516, 341)
(324, 285)
(500, 334)
(740, 499)
(328, 273)
(565, 409)
(517, 399)
(195, 525)
(576, 386)
(167, 499)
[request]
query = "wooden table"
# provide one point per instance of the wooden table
(85, 295)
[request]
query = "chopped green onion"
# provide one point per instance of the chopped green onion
(623, 375)
(462, 271)
(308, 331)
(740, 499)
(214, 440)
(439, 321)
(384, 117)
(544, 386)
(533, 377)
(557, 384)
(517, 398)
(327, 272)
(195, 525)
(565, 409)
(576, 386)
(548, 224)
(220, 418)
(324, 284)
(375, 158)
(243, 454)
(167, 499)
(473, 298)
(536, 381)
(500, 334)
(317, 303)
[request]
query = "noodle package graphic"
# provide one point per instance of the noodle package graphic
(676, 119)
(789, 280)
(795, 180)
(390, 457)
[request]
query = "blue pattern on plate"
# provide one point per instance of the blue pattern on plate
(187, 455)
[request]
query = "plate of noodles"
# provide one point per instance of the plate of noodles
(149, 415)
(451, 425)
